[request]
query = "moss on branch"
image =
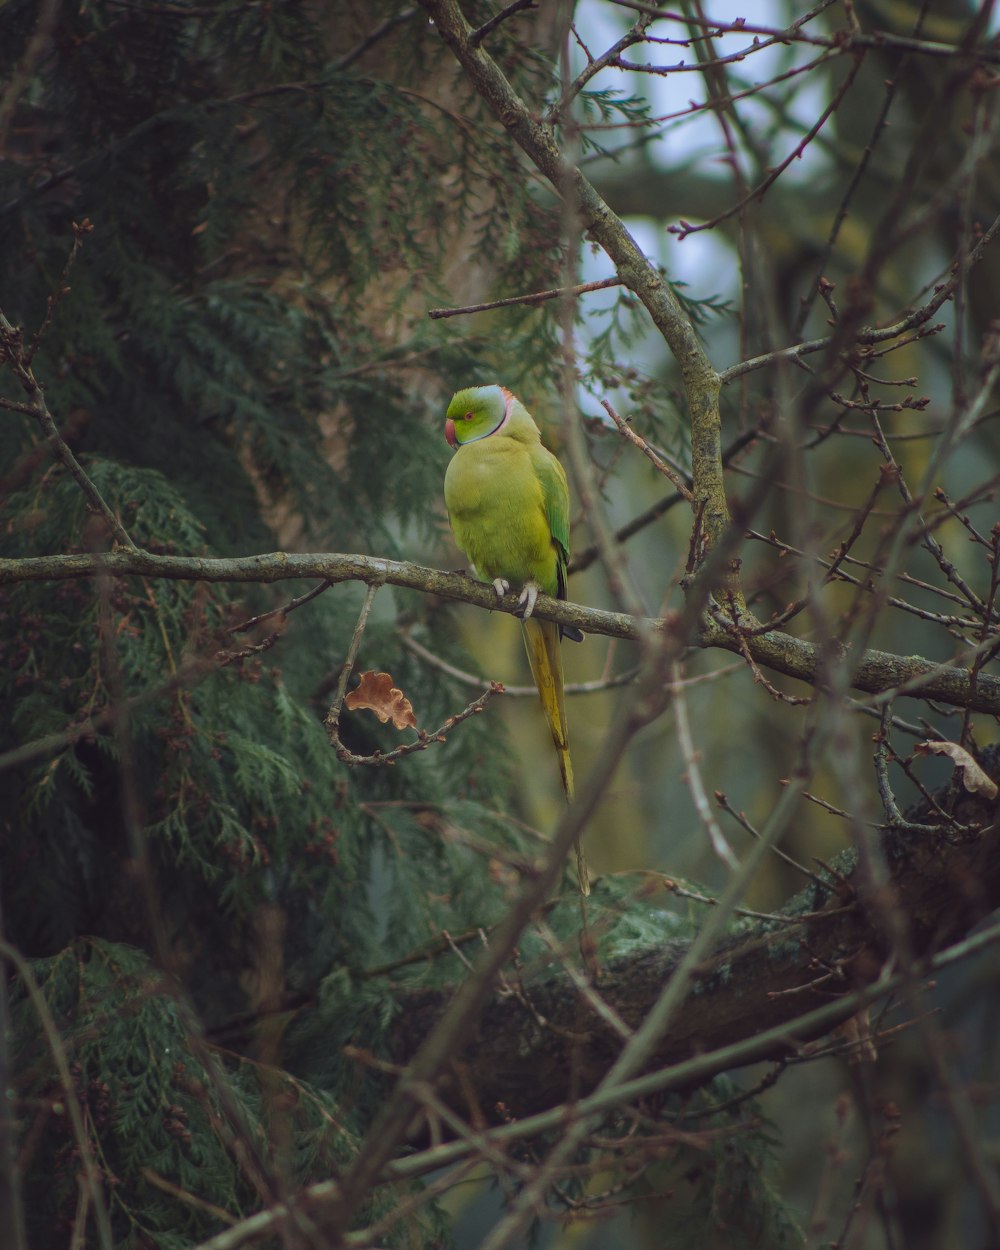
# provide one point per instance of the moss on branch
(767, 975)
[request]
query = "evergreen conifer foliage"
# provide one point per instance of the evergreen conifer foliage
(182, 847)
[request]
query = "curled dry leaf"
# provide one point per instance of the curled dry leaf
(376, 692)
(973, 777)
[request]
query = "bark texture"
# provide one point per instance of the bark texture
(939, 886)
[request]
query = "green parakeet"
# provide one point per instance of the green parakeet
(508, 504)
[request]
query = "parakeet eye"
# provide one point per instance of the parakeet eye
(467, 417)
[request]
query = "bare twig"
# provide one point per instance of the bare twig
(369, 41)
(946, 566)
(693, 772)
(484, 683)
(508, 11)
(91, 1174)
(744, 823)
(531, 300)
(286, 608)
(685, 228)
(638, 441)
(12, 1226)
(189, 1199)
(602, 1009)
(18, 359)
(916, 319)
(683, 891)
(585, 557)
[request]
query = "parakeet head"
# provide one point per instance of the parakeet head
(476, 412)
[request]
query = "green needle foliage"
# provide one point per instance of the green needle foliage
(217, 372)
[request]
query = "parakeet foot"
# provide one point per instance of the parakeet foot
(502, 586)
(527, 599)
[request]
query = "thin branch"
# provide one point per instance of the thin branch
(487, 28)
(584, 558)
(369, 41)
(80, 231)
(603, 1010)
(13, 353)
(91, 1174)
(484, 683)
(757, 193)
(952, 621)
(658, 463)
(744, 823)
(532, 299)
(12, 1225)
(286, 608)
(894, 817)
(693, 773)
(946, 566)
(867, 336)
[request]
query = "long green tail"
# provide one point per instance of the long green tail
(541, 638)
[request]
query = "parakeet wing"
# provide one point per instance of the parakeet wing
(555, 495)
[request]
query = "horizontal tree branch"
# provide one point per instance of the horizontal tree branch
(548, 1046)
(678, 1076)
(875, 672)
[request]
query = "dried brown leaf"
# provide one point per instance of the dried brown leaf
(973, 777)
(376, 692)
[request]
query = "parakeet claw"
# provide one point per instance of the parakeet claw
(526, 600)
(502, 586)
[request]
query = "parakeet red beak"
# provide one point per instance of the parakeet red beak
(449, 432)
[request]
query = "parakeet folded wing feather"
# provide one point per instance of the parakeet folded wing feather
(555, 494)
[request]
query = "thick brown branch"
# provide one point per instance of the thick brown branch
(767, 976)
